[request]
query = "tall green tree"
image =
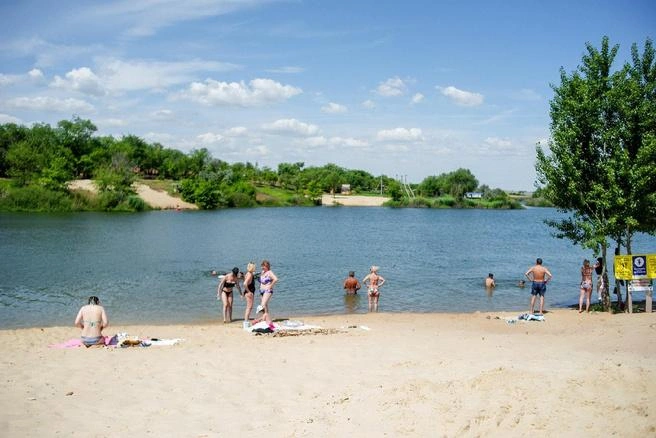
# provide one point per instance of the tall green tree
(597, 159)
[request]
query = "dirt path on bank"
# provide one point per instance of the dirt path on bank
(154, 198)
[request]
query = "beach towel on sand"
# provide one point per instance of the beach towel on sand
(263, 327)
(524, 317)
(119, 340)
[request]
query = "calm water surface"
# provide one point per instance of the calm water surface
(155, 267)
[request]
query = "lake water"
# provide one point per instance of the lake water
(155, 267)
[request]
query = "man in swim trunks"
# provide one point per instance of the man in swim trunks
(540, 276)
(92, 319)
(351, 284)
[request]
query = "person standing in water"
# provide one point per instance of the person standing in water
(373, 282)
(92, 319)
(351, 284)
(224, 291)
(539, 275)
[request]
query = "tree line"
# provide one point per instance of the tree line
(39, 161)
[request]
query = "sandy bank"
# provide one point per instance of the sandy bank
(409, 375)
(154, 198)
(353, 200)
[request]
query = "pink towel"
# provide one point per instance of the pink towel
(77, 342)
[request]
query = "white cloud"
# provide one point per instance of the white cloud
(286, 69)
(145, 18)
(369, 104)
(35, 73)
(6, 118)
(257, 92)
(417, 98)
(137, 74)
(334, 108)
(163, 114)
(292, 126)
(461, 97)
(210, 138)
(400, 134)
(498, 142)
(320, 141)
(391, 87)
(112, 122)
(237, 131)
(159, 137)
(51, 104)
(82, 79)
(8, 79)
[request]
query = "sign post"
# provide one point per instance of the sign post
(639, 270)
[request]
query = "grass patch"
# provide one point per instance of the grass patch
(162, 185)
(267, 196)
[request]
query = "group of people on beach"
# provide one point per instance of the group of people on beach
(235, 279)
(539, 276)
(372, 281)
(92, 318)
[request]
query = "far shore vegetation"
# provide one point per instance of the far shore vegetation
(37, 163)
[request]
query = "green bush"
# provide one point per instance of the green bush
(34, 198)
(136, 203)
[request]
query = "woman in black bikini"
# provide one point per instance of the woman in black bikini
(226, 286)
(249, 291)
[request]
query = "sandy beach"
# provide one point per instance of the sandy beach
(408, 375)
(353, 200)
(155, 198)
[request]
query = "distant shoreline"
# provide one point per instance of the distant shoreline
(353, 200)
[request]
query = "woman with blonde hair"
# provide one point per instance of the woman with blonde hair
(267, 280)
(373, 281)
(249, 291)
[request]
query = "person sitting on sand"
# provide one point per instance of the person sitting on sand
(373, 281)
(92, 319)
(224, 291)
(351, 284)
(489, 281)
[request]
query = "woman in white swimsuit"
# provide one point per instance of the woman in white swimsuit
(373, 282)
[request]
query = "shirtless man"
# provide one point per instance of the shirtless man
(351, 284)
(539, 275)
(489, 281)
(92, 319)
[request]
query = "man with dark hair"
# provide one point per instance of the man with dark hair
(539, 275)
(351, 284)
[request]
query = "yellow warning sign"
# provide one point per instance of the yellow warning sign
(635, 266)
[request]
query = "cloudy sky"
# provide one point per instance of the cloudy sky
(402, 88)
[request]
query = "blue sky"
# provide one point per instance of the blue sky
(408, 89)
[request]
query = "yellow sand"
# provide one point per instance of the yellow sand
(410, 375)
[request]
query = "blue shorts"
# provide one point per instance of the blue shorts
(539, 288)
(88, 341)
